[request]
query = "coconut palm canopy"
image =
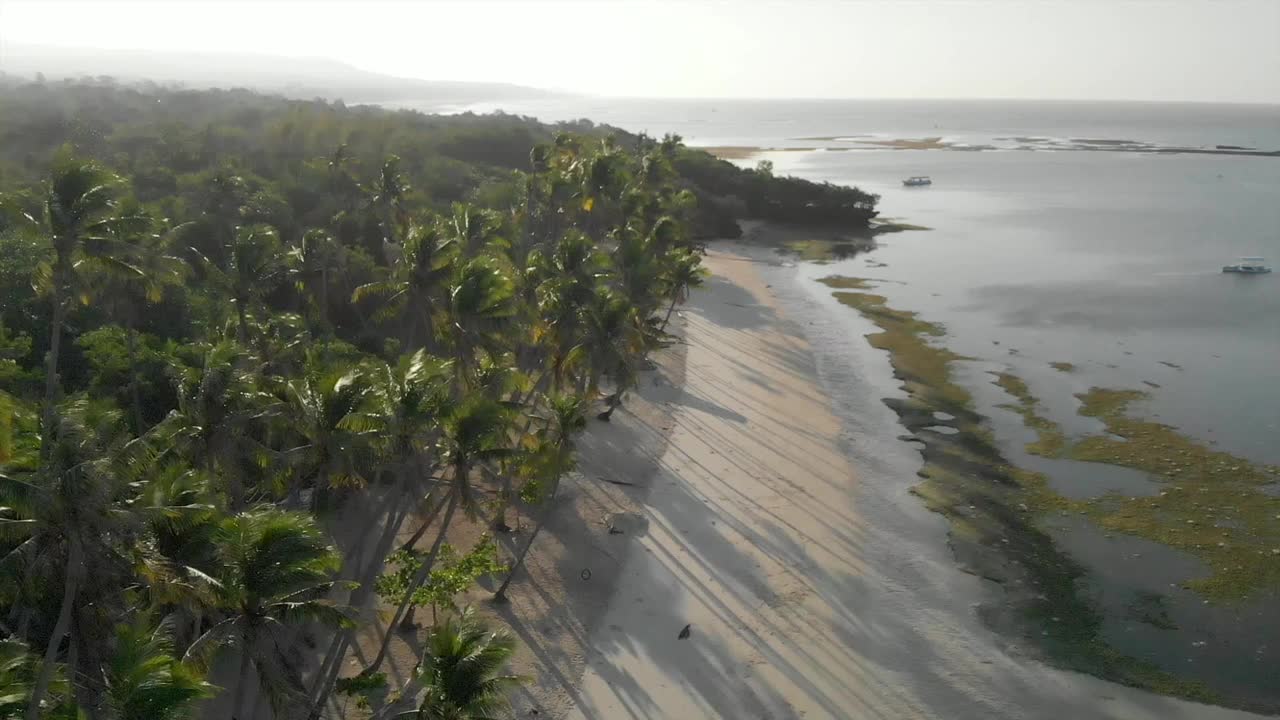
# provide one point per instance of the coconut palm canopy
(226, 319)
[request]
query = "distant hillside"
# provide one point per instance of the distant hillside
(301, 78)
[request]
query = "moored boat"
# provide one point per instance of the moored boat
(1248, 266)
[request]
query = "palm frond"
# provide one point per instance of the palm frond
(222, 635)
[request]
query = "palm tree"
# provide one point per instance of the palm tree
(341, 182)
(410, 397)
(615, 339)
(145, 681)
(339, 160)
(406, 397)
(218, 405)
(178, 563)
(600, 177)
(547, 461)
(474, 431)
(387, 199)
(416, 289)
(17, 669)
(252, 267)
(475, 230)
(15, 678)
(148, 273)
(636, 271)
(275, 570)
(685, 272)
(567, 279)
(328, 412)
(481, 307)
(285, 347)
(461, 671)
(222, 200)
(312, 263)
(496, 377)
(77, 216)
(68, 516)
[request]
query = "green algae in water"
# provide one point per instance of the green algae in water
(993, 508)
(846, 283)
(1065, 367)
(1216, 507)
(922, 366)
(824, 251)
(1050, 441)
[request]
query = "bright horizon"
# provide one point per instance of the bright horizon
(1143, 50)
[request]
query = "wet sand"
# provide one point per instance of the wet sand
(813, 584)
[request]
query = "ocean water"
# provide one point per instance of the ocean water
(1108, 260)
(1064, 240)
(791, 123)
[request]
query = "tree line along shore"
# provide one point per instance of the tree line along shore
(226, 316)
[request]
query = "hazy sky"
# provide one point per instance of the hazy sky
(1225, 50)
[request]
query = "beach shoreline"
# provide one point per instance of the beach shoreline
(781, 530)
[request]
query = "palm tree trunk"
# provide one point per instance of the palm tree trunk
(422, 530)
(84, 671)
(418, 579)
(670, 308)
(355, 307)
(51, 371)
(24, 624)
(6, 428)
(500, 524)
(70, 587)
(410, 334)
(320, 493)
(327, 674)
(613, 401)
(501, 594)
(73, 662)
(197, 621)
(242, 322)
(504, 502)
(538, 386)
(131, 347)
(324, 303)
(237, 711)
(235, 486)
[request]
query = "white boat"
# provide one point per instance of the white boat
(917, 181)
(1248, 266)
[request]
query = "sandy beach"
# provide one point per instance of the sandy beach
(733, 495)
(813, 585)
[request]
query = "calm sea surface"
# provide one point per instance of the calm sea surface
(1041, 253)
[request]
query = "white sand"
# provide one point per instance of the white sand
(811, 593)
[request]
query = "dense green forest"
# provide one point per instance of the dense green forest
(225, 316)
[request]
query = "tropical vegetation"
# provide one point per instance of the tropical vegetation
(227, 319)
